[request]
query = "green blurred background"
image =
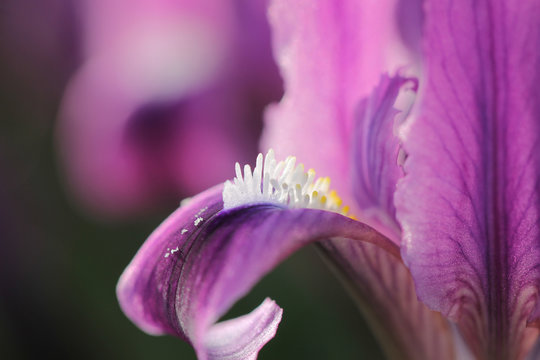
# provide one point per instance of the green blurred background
(59, 266)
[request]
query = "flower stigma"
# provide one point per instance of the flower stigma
(281, 183)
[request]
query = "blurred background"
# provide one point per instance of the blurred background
(111, 112)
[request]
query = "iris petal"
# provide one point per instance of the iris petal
(331, 55)
(330, 60)
(377, 153)
(202, 259)
(469, 204)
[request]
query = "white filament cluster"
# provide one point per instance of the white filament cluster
(280, 183)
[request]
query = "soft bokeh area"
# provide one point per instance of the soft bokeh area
(111, 112)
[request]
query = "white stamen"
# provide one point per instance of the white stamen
(280, 183)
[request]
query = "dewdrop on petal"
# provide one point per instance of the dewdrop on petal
(283, 183)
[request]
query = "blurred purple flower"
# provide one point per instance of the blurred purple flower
(170, 92)
(452, 185)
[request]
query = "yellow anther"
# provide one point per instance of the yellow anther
(345, 210)
(323, 200)
(335, 198)
(314, 194)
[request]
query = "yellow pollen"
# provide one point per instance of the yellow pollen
(335, 198)
(326, 181)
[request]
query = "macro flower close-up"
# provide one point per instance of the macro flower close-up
(397, 139)
(442, 252)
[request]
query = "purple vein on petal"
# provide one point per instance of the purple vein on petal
(376, 152)
(385, 293)
(189, 272)
(469, 204)
(205, 257)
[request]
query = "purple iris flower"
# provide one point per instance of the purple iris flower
(163, 80)
(443, 249)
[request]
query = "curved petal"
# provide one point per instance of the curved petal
(329, 58)
(376, 156)
(469, 204)
(202, 259)
(243, 337)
